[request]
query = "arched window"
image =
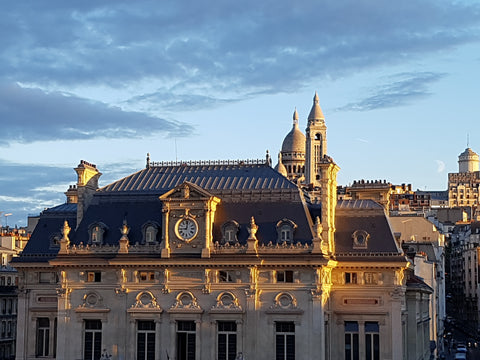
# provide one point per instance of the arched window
(97, 231)
(285, 231)
(229, 232)
(150, 232)
(360, 239)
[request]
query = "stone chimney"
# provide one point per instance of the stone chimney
(87, 185)
(72, 194)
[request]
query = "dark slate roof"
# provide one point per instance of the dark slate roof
(211, 176)
(61, 210)
(367, 215)
(40, 246)
(137, 214)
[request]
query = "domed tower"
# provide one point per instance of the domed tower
(280, 167)
(316, 137)
(293, 151)
(468, 161)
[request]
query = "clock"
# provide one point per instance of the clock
(186, 229)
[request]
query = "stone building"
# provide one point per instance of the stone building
(219, 260)
(463, 187)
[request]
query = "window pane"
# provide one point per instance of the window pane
(280, 347)
(232, 346)
(290, 347)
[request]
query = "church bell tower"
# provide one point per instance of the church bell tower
(316, 144)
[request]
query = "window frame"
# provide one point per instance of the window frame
(229, 350)
(285, 340)
(42, 337)
(149, 333)
(186, 339)
(93, 328)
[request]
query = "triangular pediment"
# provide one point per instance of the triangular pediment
(186, 191)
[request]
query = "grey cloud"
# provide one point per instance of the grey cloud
(400, 90)
(21, 196)
(34, 115)
(253, 46)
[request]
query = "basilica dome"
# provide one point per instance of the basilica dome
(295, 139)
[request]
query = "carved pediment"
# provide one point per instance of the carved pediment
(186, 191)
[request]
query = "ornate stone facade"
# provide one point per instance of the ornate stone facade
(215, 260)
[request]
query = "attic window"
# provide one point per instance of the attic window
(150, 232)
(285, 231)
(360, 239)
(55, 240)
(96, 232)
(229, 232)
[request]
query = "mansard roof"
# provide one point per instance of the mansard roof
(213, 176)
(137, 214)
(369, 217)
(41, 245)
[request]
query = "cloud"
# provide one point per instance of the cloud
(440, 166)
(210, 46)
(35, 115)
(22, 196)
(401, 89)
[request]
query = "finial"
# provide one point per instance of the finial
(268, 158)
(252, 228)
(315, 98)
(148, 160)
(125, 229)
(295, 116)
(468, 140)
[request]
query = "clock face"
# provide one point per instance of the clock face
(186, 229)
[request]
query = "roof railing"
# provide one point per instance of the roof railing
(208, 163)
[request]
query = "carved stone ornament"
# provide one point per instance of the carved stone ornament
(185, 301)
(285, 302)
(65, 241)
(146, 301)
(91, 302)
(226, 302)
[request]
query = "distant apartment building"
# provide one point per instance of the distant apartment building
(12, 241)
(463, 187)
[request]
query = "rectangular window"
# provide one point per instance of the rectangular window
(284, 340)
(94, 276)
(43, 336)
(227, 340)
(225, 276)
(350, 278)
(145, 340)
(146, 276)
(372, 341)
(285, 235)
(185, 340)
(351, 340)
(92, 345)
(285, 276)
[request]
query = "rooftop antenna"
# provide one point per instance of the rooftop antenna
(176, 149)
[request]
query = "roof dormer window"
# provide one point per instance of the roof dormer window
(360, 239)
(229, 232)
(97, 232)
(150, 233)
(285, 231)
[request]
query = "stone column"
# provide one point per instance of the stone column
(158, 338)
(317, 341)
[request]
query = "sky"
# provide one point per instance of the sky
(110, 81)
